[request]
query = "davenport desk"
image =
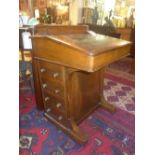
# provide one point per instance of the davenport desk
(68, 69)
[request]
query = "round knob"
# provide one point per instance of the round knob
(57, 91)
(48, 110)
(58, 105)
(55, 75)
(47, 98)
(42, 70)
(60, 118)
(44, 85)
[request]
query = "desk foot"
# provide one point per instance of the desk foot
(70, 128)
(109, 107)
(77, 133)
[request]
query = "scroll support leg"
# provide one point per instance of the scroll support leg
(107, 106)
(77, 133)
(104, 104)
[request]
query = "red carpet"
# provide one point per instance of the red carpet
(108, 134)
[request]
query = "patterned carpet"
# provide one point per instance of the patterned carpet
(123, 68)
(109, 134)
(121, 94)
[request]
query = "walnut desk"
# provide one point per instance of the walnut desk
(68, 69)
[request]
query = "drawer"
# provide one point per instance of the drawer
(57, 114)
(54, 88)
(53, 103)
(51, 70)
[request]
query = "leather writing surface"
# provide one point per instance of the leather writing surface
(92, 44)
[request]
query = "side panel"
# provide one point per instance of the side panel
(84, 94)
(37, 86)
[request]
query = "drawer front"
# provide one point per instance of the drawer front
(52, 103)
(57, 113)
(51, 71)
(53, 88)
(58, 117)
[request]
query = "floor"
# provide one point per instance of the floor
(120, 84)
(124, 68)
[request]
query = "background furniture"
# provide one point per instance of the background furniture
(68, 70)
(128, 34)
(25, 66)
(28, 47)
(25, 78)
(103, 30)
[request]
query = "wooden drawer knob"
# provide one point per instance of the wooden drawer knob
(56, 91)
(42, 70)
(44, 85)
(48, 110)
(47, 98)
(55, 75)
(58, 105)
(60, 118)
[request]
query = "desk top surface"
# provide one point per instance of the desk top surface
(91, 44)
(77, 47)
